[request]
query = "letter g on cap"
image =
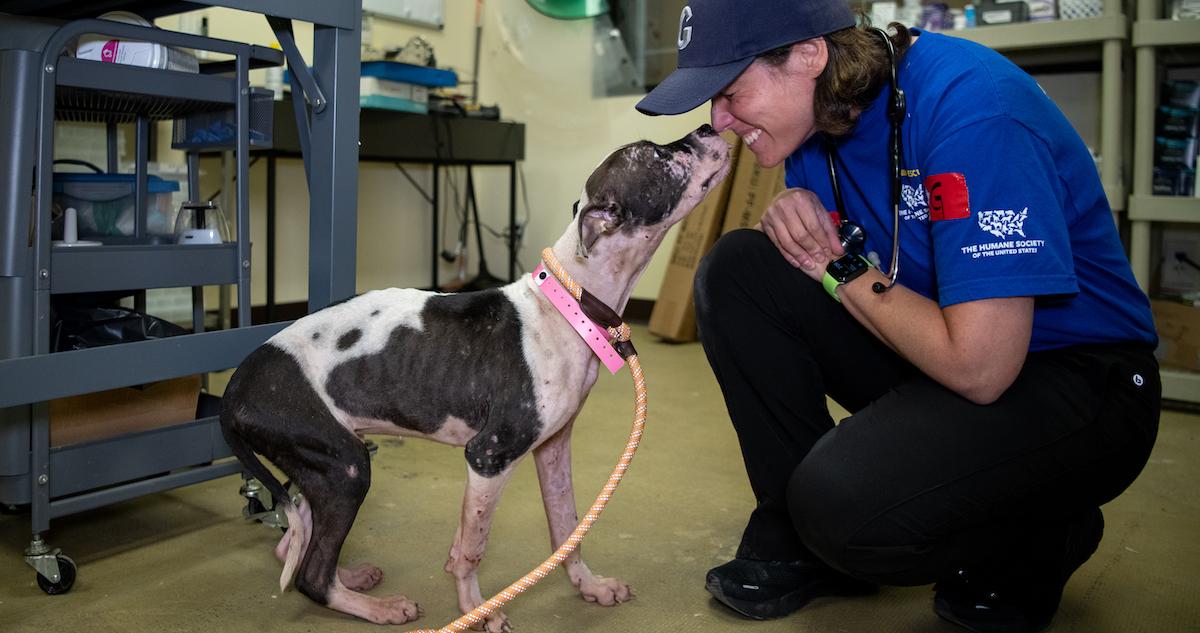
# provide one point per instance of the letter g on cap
(685, 32)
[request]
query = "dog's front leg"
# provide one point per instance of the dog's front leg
(470, 541)
(553, 459)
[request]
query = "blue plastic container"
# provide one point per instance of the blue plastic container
(104, 203)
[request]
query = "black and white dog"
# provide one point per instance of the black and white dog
(499, 372)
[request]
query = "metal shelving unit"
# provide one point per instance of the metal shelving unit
(1145, 208)
(1052, 34)
(121, 267)
(1150, 33)
(1072, 41)
(42, 85)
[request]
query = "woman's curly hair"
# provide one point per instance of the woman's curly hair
(856, 71)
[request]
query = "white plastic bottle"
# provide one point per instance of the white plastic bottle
(274, 76)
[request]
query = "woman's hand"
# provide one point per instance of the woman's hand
(802, 230)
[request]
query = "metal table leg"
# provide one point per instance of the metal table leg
(334, 178)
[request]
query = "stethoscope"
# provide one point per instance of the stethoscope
(852, 234)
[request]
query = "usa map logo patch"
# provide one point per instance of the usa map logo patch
(1004, 224)
(948, 198)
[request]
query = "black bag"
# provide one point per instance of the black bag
(80, 327)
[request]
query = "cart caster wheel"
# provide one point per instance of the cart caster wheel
(253, 507)
(256, 508)
(66, 577)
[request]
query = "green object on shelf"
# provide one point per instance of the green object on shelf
(570, 9)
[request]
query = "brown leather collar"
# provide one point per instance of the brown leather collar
(598, 311)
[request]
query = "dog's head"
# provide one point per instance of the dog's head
(644, 184)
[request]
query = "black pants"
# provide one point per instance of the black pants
(919, 481)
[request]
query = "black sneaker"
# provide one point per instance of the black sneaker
(978, 605)
(985, 608)
(763, 590)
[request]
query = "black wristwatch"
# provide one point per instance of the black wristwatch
(843, 270)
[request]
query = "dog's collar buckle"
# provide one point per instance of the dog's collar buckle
(595, 335)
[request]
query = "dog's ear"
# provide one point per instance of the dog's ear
(597, 219)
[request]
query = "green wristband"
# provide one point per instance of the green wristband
(847, 269)
(831, 285)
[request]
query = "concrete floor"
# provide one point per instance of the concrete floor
(186, 561)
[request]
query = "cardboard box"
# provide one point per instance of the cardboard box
(674, 315)
(115, 412)
(753, 189)
(1178, 334)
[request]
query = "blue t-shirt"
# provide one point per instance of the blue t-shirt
(1000, 196)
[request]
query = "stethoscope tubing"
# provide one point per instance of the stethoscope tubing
(852, 235)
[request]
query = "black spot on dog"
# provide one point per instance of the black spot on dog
(347, 340)
(316, 336)
(375, 312)
(641, 181)
(450, 367)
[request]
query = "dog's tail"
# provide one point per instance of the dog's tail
(295, 546)
(250, 461)
(254, 466)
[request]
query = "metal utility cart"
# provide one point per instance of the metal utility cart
(41, 83)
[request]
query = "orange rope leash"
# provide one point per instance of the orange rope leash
(635, 436)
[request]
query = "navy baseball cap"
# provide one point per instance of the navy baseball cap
(718, 39)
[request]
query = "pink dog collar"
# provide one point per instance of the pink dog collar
(595, 335)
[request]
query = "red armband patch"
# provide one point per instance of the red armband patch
(948, 198)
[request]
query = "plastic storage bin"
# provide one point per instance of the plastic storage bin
(104, 203)
(219, 129)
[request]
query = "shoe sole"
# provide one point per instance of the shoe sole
(948, 615)
(1087, 539)
(789, 602)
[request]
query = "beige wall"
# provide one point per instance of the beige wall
(539, 71)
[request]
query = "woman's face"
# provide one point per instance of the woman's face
(771, 108)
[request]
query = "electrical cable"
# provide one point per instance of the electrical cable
(1183, 258)
(428, 198)
(218, 192)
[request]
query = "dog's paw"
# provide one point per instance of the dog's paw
(394, 610)
(497, 622)
(360, 577)
(605, 591)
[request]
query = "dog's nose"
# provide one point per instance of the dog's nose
(705, 130)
